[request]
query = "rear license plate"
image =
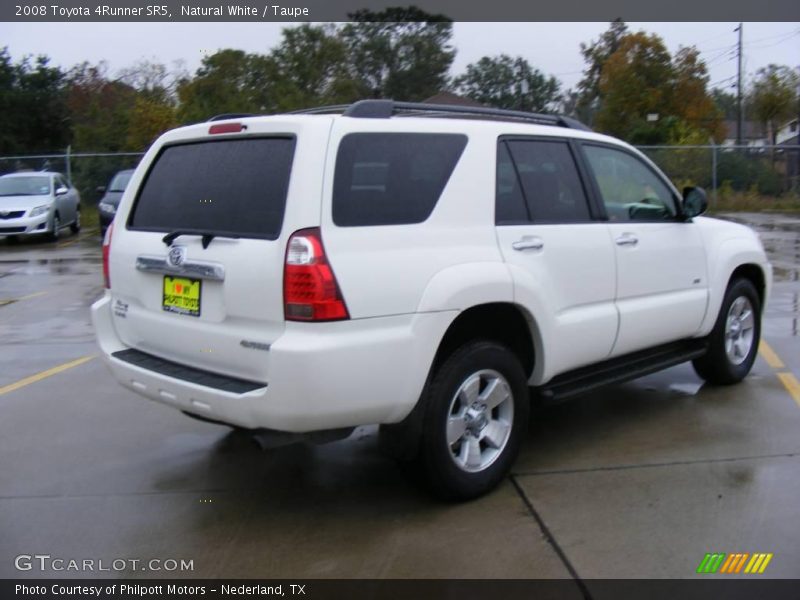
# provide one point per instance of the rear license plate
(182, 295)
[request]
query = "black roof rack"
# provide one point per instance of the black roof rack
(384, 109)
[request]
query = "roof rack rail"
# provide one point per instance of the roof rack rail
(226, 116)
(384, 109)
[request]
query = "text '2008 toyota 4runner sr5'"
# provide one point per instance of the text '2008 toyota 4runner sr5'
(415, 266)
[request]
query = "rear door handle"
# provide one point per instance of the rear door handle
(627, 239)
(528, 242)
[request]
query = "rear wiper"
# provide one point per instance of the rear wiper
(206, 236)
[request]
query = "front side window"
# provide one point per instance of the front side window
(630, 190)
(392, 178)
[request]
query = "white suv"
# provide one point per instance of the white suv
(421, 267)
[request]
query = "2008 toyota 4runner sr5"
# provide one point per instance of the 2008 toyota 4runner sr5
(415, 266)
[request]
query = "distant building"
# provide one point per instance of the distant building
(754, 134)
(788, 133)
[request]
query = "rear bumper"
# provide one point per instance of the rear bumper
(322, 375)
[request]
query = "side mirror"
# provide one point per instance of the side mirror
(101, 189)
(695, 201)
(61, 191)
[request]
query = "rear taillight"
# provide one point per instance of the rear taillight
(310, 291)
(106, 251)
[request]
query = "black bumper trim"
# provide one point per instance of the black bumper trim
(190, 374)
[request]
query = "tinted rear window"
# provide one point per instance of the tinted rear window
(227, 186)
(392, 178)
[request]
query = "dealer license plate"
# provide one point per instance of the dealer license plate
(182, 295)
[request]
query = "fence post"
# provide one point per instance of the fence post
(713, 174)
(69, 163)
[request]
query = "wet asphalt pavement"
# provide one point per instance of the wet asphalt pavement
(635, 480)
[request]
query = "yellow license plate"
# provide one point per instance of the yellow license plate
(182, 295)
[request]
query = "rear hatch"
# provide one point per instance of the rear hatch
(211, 295)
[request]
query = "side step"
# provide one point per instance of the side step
(623, 368)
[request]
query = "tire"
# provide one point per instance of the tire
(483, 440)
(76, 226)
(733, 343)
(53, 235)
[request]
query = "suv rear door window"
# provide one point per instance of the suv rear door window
(392, 178)
(224, 186)
(550, 181)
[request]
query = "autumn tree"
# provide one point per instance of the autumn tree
(773, 97)
(641, 78)
(398, 53)
(511, 83)
(595, 54)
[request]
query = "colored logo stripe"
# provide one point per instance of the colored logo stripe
(758, 564)
(720, 562)
(710, 563)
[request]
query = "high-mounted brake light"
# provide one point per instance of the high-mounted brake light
(310, 291)
(106, 253)
(226, 128)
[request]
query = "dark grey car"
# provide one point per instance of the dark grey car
(107, 207)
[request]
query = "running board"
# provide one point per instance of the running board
(623, 368)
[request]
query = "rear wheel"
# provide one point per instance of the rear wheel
(733, 343)
(476, 414)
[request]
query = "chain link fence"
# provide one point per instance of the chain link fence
(85, 170)
(766, 173)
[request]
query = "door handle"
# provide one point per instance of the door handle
(627, 239)
(528, 243)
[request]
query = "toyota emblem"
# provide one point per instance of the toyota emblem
(176, 256)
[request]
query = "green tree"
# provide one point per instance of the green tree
(773, 97)
(595, 54)
(310, 68)
(726, 103)
(506, 82)
(33, 108)
(229, 81)
(399, 53)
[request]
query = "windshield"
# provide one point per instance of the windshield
(24, 186)
(120, 181)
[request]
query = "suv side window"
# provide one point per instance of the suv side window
(630, 190)
(549, 181)
(510, 207)
(392, 178)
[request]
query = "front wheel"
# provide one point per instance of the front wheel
(56, 231)
(476, 414)
(76, 225)
(733, 343)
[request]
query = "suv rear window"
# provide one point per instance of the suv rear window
(392, 178)
(223, 186)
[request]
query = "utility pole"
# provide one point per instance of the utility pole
(739, 119)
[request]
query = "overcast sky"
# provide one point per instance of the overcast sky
(551, 47)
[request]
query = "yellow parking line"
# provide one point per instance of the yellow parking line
(44, 375)
(791, 384)
(770, 356)
(28, 297)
